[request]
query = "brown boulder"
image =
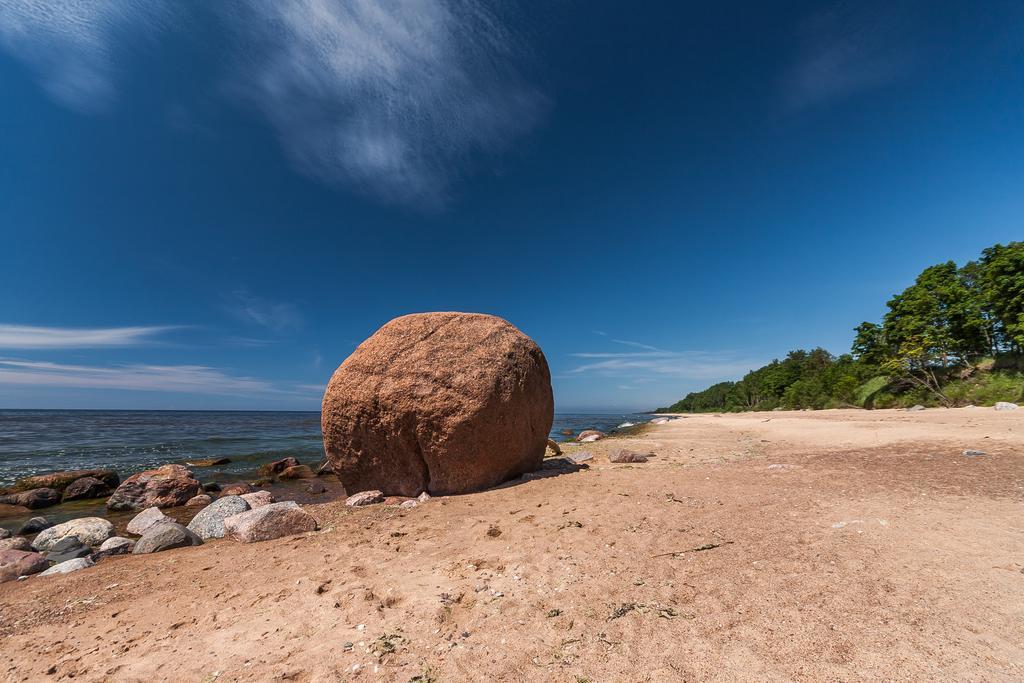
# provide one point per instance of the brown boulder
(237, 489)
(33, 499)
(164, 487)
(272, 469)
(85, 488)
(15, 563)
(297, 472)
(61, 480)
(439, 402)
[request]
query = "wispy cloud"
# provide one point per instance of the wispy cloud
(390, 97)
(650, 363)
(30, 337)
(166, 378)
(848, 49)
(72, 45)
(252, 309)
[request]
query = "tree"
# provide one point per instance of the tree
(869, 343)
(1001, 280)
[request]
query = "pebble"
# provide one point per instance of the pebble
(364, 498)
(973, 453)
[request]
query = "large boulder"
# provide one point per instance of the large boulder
(164, 487)
(61, 480)
(86, 488)
(440, 402)
(33, 499)
(209, 522)
(165, 537)
(15, 563)
(269, 522)
(91, 531)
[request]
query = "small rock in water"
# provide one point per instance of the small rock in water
(146, 520)
(973, 453)
(297, 472)
(208, 462)
(34, 526)
(165, 536)
(237, 489)
(201, 499)
(163, 487)
(209, 522)
(1006, 405)
(211, 487)
(15, 543)
(621, 455)
(258, 499)
(915, 408)
(86, 488)
(272, 469)
(32, 499)
(364, 498)
(316, 488)
(69, 566)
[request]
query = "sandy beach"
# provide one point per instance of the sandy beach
(816, 546)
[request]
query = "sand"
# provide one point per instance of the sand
(837, 545)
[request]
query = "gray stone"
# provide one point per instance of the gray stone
(209, 522)
(146, 520)
(67, 548)
(269, 522)
(33, 526)
(1006, 405)
(580, 456)
(364, 498)
(915, 408)
(15, 543)
(970, 453)
(91, 531)
(117, 545)
(4, 533)
(406, 504)
(69, 566)
(165, 536)
(622, 455)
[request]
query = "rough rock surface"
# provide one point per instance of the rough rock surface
(269, 522)
(34, 525)
(61, 480)
(315, 488)
(297, 472)
(116, 545)
(442, 402)
(209, 522)
(32, 499)
(272, 469)
(67, 548)
(588, 435)
(15, 543)
(146, 520)
(201, 499)
(237, 489)
(163, 487)
(90, 530)
(69, 566)
(622, 455)
(86, 488)
(208, 462)
(258, 499)
(165, 537)
(15, 563)
(1006, 405)
(364, 498)
(580, 456)
(4, 533)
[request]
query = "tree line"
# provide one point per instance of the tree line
(955, 336)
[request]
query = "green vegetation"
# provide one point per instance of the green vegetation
(954, 337)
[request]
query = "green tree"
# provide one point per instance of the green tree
(1001, 282)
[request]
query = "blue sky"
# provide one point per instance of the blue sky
(208, 205)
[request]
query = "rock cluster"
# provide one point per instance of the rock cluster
(163, 487)
(439, 402)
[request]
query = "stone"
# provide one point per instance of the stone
(324, 468)
(316, 488)
(237, 489)
(32, 499)
(272, 469)
(208, 462)
(580, 456)
(297, 472)
(364, 498)
(915, 408)
(411, 503)
(61, 480)
(163, 487)
(1006, 405)
(117, 545)
(269, 522)
(15, 563)
(971, 453)
(4, 533)
(69, 566)
(589, 435)
(34, 526)
(209, 522)
(660, 421)
(258, 499)
(553, 445)
(211, 487)
(423, 497)
(67, 548)
(86, 488)
(90, 531)
(15, 543)
(439, 402)
(196, 501)
(146, 520)
(165, 536)
(621, 455)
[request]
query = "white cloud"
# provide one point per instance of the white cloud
(30, 337)
(72, 44)
(645, 366)
(165, 378)
(274, 315)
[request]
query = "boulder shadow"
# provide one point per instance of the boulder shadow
(551, 467)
